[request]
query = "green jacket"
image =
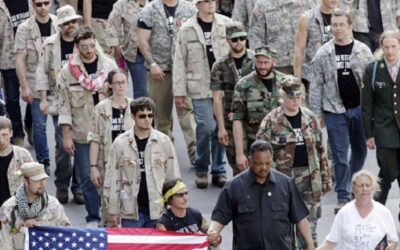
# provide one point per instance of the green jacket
(380, 105)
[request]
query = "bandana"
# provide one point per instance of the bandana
(178, 186)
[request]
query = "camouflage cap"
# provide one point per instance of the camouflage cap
(266, 50)
(34, 171)
(235, 29)
(292, 86)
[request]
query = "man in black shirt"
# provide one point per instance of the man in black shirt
(262, 205)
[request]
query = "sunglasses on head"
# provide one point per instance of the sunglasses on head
(236, 39)
(42, 3)
(180, 195)
(143, 116)
(74, 21)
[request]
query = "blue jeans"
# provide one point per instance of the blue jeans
(11, 87)
(206, 134)
(92, 198)
(39, 121)
(63, 171)
(346, 130)
(143, 222)
(138, 75)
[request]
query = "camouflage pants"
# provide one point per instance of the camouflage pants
(303, 185)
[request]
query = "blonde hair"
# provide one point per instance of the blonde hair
(365, 173)
(387, 34)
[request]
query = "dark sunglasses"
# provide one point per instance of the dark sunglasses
(74, 21)
(42, 3)
(180, 195)
(236, 39)
(143, 116)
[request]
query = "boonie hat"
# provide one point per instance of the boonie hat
(292, 86)
(235, 29)
(65, 14)
(34, 171)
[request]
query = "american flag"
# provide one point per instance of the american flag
(70, 238)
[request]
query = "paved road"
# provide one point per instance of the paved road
(205, 199)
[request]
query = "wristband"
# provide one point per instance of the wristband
(93, 165)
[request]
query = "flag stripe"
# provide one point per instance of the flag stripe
(130, 246)
(145, 239)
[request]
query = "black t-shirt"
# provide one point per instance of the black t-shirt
(268, 83)
(102, 8)
(206, 27)
(374, 16)
(239, 63)
(91, 69)
(326, 18)
(45, 29)
(19, 11)
(300, 153)
(170, 13)
(348, 88)
(191, 223)
(143, 196)
(117, 127)
(67, 49)
(5, 189)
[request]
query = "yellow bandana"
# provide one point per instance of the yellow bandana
(178, 186)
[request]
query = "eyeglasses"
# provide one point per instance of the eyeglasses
(208, 1)
(180, 195)
(119, 82)
(42, 3)
(74, 21)
(236, 39)
(86, 47)
(143, 116)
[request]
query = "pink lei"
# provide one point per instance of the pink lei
(86, 83)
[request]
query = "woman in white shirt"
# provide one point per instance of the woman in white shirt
(362, 224)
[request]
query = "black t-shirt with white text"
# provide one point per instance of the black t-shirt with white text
(326, 18)
(4, 185)
(91, 69)
(300, 158)
(143, 195)
(348, 88)
(67, 49)
(117, 127)
(206, 27)
(239, 63)
(190, 223)
(45, 29)
(19, 12)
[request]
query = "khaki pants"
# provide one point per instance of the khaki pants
(99, 27)
(161, 93)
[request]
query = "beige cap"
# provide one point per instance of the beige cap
(34, 171)
(66, 13)
(235, 29)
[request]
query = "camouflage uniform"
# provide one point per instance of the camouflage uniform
(224, 76)
(75, 102)
(324, 93)
(20, 156)
(7, 57)
(12, 237)
(122, 178)
(242, 11)
(310, 180)
(252, 101)
(28, 41)
(274, 23)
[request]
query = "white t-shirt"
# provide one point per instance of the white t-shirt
(351, 231)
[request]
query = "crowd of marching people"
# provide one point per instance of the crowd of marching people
(254, 85)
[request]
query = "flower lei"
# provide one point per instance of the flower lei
(87, 83)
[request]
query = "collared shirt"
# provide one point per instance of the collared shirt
(262, 214)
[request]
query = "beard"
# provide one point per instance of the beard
(269, 71)
(240, 50)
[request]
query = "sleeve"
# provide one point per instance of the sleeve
(112, 182)
(64, 106)
(321, 150)
(397, 8)
(179, 69)
(257, 27)
(217, 82)
(20, 42)
(298, 209)
(94, 128)
(62, 219)
(5, 231)
(336, 229)
(145, 20)
(42, 71)
(316, 86)
(264, 131)
(239, 103)
(114, 25)
(171, 166)
(222, 212)
(367, 103)
(239, 12)
(3, 21)
(391, 226)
